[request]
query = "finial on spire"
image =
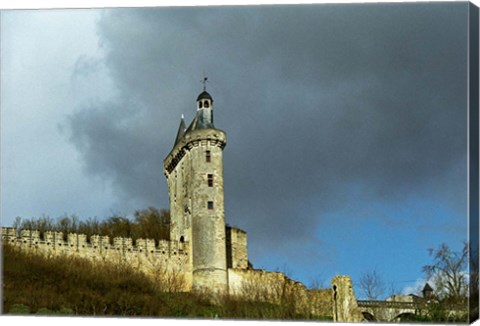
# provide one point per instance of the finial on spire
(183, 116)
(204, 81)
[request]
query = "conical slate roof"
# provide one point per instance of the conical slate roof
(427, 287)
(181, 131)
(199, 122)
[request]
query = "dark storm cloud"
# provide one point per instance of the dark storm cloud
(314, 100)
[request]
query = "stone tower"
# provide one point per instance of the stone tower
(194, 171)
(345, 307)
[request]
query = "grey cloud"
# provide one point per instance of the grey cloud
(86, 65)
(313, 100)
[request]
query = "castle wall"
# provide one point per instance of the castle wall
(169, 258)
(258, 285)
(345, 307)
(237, 254)
(168, 264)
(321, 302)
(275, 287)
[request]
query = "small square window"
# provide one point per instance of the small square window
(210, 204)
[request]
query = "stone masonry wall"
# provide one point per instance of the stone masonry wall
(180, 195)
(172, 258)
(237, 254)
(275, 287)
(169, 258)
(345, 307)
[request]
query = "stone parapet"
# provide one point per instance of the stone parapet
(100, 242)
(9, 234)
(159, 262)
(74, 240)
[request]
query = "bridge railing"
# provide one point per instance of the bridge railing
(387, 304)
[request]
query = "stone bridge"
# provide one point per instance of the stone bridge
(346, 308)
(391, 310)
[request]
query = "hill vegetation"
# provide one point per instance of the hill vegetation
(33, 284)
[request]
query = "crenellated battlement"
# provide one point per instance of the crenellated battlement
(53, 239)
(165, 262)
(169, 261)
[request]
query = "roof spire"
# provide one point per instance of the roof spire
(204, 81)
(181, 130)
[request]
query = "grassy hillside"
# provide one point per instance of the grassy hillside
(75, 286)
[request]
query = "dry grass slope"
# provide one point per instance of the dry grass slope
(33, 284)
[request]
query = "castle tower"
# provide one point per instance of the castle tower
(194, 171)
(345, 307)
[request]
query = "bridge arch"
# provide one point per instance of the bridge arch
(368, 316)
(404, 316)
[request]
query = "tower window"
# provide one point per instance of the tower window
(205, 104)
(210, 204)
(210, 180)
(200, 104)
(208, 156)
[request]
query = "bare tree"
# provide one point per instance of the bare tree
(474, 282)
(448, 271)
(372, 285)
(392, 289)
(17, 224)
(319, 282)
(153, 224)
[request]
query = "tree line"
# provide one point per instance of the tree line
(149, 223)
